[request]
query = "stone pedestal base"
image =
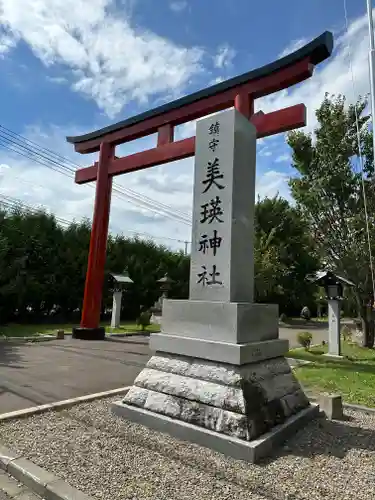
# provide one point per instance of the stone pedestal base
(250, 451)
(222, 352)
(237, 402)
(88, 333)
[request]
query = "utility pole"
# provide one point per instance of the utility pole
(186, 247)
(372, 96)
(372, 68)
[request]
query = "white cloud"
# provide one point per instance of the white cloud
(57, 79)
(172, 184)
(178, 5)
(7, 42)
(273, 183)
(224, 56)
(37, 185)
(216, 80)
(264, 151)
(293, 46)
(110, 60)
(282, 158)
(333, 76)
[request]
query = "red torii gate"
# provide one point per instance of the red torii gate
(239, 91)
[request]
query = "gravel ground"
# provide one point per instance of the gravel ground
(110, 458)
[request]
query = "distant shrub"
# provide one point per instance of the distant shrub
(346, 333)
(144, 319)
(304, 339)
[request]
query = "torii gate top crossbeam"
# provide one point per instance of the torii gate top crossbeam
(278, 75)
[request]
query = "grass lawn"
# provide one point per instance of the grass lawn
(353, 376)
(131, 328)
(295, 320)
(20, 330)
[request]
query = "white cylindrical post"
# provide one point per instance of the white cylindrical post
(116, 309)
(334, 347)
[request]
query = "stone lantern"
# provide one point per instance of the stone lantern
(120, 282)
(334, 287)
(165, 284)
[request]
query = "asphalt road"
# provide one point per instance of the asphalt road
(318, 334)
(34, 374)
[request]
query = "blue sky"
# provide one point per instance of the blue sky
(70, 66)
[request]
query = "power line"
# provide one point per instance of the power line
(41, 155)
(13, 203)
(38, 146)
(120, 192)
(360, 154)
(116, 191)
(5, 145)
(32, 150)
(140, 233)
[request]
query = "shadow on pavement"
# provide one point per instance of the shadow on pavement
(9, 355)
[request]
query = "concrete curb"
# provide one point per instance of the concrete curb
(298, 362)
(40, 481)
(113, 337)
(132, 334)
(59, 405)
(365, 409)
(121, 339)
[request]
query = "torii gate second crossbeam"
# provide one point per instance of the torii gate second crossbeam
(240, 92)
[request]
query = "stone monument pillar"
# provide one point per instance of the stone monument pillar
(116, 309)
(334, 345)
(219, 377)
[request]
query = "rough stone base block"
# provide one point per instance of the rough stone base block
(242, 402)
(331, 405)
(88, 333)
(250, 451)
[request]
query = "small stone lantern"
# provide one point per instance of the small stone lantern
(120, 282)
(165, 284)
(334, 287)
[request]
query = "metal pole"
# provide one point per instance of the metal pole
(372, 96)
(372, 68)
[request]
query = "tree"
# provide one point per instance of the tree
(146, 263)
(28, 263)
(284, 255)
(329, 191)
(43, 268)
(268, 269)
